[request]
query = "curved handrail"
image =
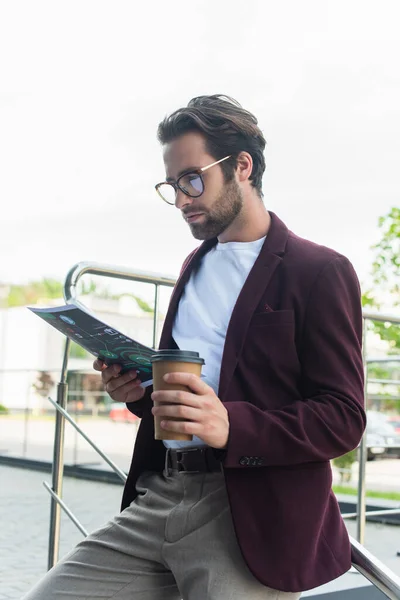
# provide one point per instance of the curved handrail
(375, 571)
(380, 317)
(116, 272)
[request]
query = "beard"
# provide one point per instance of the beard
(226, 208)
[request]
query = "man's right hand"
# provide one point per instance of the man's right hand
(121, 388)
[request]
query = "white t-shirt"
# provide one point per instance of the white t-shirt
(206, 306)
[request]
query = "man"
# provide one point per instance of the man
(245, 510)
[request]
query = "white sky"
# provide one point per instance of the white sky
(83, 85)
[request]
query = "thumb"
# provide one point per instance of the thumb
(99, 365)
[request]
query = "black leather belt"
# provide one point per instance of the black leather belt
(192, 460)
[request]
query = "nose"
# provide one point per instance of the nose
(181, 200)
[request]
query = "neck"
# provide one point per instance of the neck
(251, 224)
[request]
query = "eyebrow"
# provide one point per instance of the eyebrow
(184, 172)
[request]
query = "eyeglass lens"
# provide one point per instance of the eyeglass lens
(190, 183)
(167, 192)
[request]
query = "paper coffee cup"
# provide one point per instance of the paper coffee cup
(172, 361)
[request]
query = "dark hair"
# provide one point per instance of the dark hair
(227, 127)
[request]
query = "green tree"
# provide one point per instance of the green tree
(386, 266)
(45, 289)
(77, 351)
(145, 306)
(344, 463)
(30, 293)
(43, 384)
(386, 275)
(51, 289)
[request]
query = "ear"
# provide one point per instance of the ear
(244, 167)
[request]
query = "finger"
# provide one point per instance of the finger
(190, 379)
(175, 397)
(99, 365)
(183, 427)
(179, 411)
(129, 392)
(124, 392)
(139, 393)
(116, 383)
(110, 373)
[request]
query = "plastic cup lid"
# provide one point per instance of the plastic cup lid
(177, 355)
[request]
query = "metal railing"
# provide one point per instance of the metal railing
(70, 295)
(375, 571)
(361, 492)
(367, 564)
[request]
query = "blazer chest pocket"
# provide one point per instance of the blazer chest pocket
(270, 350)
(277, 317)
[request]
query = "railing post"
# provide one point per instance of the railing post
(26, 422)
(58, 465)
(155, 317)
(362, 453)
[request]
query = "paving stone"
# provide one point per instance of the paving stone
(24, 532)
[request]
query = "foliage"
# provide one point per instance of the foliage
(377, 371)
(389, 333)
(51, 289)
(45, 289)
(85, 389)
(142, 304)
(386, 276)
(338, 489)
(21, 295)
(380, 398)
(77, 351)
(3, 409)
(344, 463)
(43, 383)
(386, 267)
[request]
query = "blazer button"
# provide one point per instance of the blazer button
(244, 461)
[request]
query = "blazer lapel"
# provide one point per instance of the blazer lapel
(255, 285)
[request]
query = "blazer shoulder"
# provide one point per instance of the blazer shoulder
(313, 256)
(305, 263)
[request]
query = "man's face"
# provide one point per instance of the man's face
(221, 202)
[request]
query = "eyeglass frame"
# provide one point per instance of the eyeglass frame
(175, 183)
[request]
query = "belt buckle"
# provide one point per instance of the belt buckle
(179, 457)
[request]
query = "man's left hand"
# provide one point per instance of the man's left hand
(202, 411)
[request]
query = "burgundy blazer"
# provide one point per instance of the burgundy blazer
(292, 382)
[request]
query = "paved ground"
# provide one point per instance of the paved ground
(34, 439)
(25, 511)
(24, 506)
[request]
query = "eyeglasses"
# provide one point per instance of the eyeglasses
(190, 183)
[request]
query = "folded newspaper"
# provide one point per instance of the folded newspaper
(98, 338)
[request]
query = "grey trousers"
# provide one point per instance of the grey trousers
(175, 541)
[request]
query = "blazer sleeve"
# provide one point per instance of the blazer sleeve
(142, 405)
(329, 420)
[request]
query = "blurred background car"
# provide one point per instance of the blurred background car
(395, 421)
(383, 439)
(119, 413)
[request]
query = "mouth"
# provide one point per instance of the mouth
(193, 217)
